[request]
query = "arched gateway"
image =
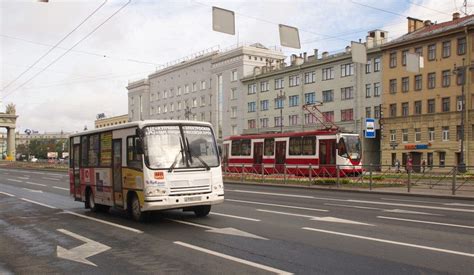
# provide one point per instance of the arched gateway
(8, 120)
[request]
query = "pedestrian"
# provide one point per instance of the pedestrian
(409, 165)
(423, 165)
(397, 166)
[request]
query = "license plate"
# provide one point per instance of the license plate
(190, 199)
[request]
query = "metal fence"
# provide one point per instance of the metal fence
(442, 180)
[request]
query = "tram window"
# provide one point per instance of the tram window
(295, 146)
(84, 151)
(235, 151)
(134, 160)
(269, 146)
(245, 148)
(94, 150)
(309, 146)
(106, 149)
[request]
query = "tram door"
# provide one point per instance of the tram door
(258, 156)
(280, 156)
(327, 152)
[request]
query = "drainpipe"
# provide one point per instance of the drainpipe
(467, 100)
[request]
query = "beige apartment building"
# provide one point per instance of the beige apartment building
(422, 112)
(110, 121)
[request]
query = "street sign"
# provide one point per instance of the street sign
(369, 128)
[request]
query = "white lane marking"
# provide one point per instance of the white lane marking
(102, 221)
(427, 222)
(8, 194)
(391, 242)
(231, 258)
(415, 206)
(33, 190)
(459, 204)
(39, 203)
(390, 199)
(15, 180)
(62, 188)
(353, 206)
(24, 178)
(321, 219)
(236, 217)
(56, 179)
(34, 183)
(272, 194)
(278, 205)
(226, 231)
(81, 252)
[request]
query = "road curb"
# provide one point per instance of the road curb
(65, 171)
(292, 186)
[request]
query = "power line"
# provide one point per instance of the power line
(428, 8)
(379, 9)
(54, 47)
(77, 43)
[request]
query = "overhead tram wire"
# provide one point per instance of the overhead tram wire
(428, 8)
(55, 46)
(77, 43)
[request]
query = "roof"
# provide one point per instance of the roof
(434, 29)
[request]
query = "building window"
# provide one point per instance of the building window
(347, 69)
(293, 120)
(431, 80)
(404, 57)
(328, 73)
(461, 46)
(347, 93)
(405, 84)
(445, 133)
(417, 110)
(195, 87)
(347, 115)
(446, 49)
(431, 133)
(165, 94)
(186, 89)
(405, 109)
(252, 107)
(459, 103)
(178, 91)
(309, 77)
(233, 113)
(458, 132)
(203, 100)
(418, 82)
(431, 52)
(203, 85)
(264, 122)
(234, 75)
(293, 100)
(393, 86)
(377, 64)
(445, 107)
(404, 135)
(442, 158)
(376, 89)
(460, 77)
(294, 80)
(367, 90)
(431, 106)
(264, 86)
(393, 135)
(252, 88)
(368, 66)
(252, 124)
(310, 98)
(328, 116)
(446, 78)
(368, 111)
(417, 134)
(393, 60)
(393, 110)
(194, 102)
(376, 111)
(419, 51)
(279, 102)
(328, 96)
(264, 105)
(278, 121)
(279, 84)
(233, 93)
(309, 119)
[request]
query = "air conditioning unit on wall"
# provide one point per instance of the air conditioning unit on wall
(459, 106)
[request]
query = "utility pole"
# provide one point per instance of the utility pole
(28, 133)
(280, 98)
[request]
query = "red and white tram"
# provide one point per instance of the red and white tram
(321, 151)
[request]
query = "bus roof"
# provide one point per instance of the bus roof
(287, 134)
(141, 124)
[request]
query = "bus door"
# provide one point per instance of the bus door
(258, 156)
(280, 156)
(76, 171)
(327, 155)
(117, 171)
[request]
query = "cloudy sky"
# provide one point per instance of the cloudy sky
(87, 72)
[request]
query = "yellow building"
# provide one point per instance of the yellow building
(103, 121)
(422, 111)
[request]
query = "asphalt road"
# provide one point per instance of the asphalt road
(258, 230)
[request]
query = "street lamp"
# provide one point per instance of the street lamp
(281, 97)
(461, 72)
(28, 133)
